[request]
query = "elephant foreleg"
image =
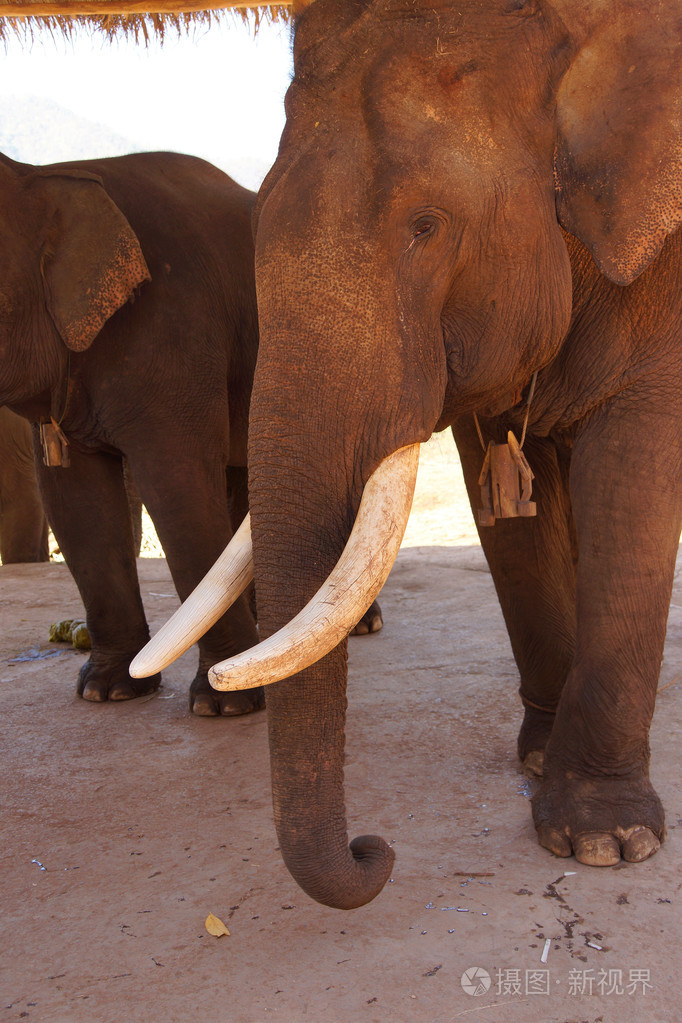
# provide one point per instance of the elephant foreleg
(626, 490)
(533, 565)
(87, 506)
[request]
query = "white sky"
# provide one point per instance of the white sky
(217, 93)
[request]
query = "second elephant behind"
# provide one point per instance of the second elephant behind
(132, 324)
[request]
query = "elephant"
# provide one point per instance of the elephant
(129, 331)
(472, 201)
(23, 526)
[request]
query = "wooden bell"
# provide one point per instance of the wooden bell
(55, 445)
(506, 483)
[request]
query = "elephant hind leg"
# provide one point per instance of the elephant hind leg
(23, 526)
(533, 564)
(23, 530)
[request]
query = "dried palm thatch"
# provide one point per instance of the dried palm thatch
(140, 19)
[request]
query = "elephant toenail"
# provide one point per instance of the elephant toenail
(639, 843)
(556, 841)
(121, 692)
(93, 694)
(597, 849)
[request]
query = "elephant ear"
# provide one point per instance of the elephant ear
(619, 155)
(92, 261)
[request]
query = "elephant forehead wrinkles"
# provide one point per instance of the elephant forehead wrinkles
(333, 34)
(408, 77)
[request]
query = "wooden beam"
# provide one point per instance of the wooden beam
(101, 8)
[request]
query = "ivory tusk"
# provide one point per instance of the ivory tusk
(218, 590)
(348, 591)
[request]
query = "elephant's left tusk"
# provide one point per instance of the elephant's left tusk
(217, 591)
(347, 592)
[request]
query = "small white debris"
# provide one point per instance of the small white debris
(545, 951)
(592, 944)
(570, 873)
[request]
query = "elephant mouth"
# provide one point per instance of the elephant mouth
(329, 616)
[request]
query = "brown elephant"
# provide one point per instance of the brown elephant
(23, 526)
(465, 194)
(128, 318)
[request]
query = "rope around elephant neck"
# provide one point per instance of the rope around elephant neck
(531, 392)
(66, 390)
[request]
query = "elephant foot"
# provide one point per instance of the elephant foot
(533, 737)
(371, 621)
(204, 701)
(100, 685)
(599, 820)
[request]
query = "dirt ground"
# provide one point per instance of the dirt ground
(125, 825)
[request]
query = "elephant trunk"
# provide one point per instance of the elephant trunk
(306, 713)
(302, 514)
(307, 789)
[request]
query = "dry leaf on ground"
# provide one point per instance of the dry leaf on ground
(215, 926)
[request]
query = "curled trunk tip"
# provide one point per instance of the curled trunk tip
(367, 868)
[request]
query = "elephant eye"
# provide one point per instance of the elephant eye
(423, 226)
(427, 222)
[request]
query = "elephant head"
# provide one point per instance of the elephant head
(411, 267)
(69, 260)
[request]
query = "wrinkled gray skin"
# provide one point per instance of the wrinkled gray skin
(465, 194)
(23, 526)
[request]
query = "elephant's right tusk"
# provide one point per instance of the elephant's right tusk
(348, 591)
(217, 591)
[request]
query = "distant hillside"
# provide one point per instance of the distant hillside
(35, 130)
(38, 131)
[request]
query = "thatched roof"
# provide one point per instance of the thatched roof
(142, 19)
